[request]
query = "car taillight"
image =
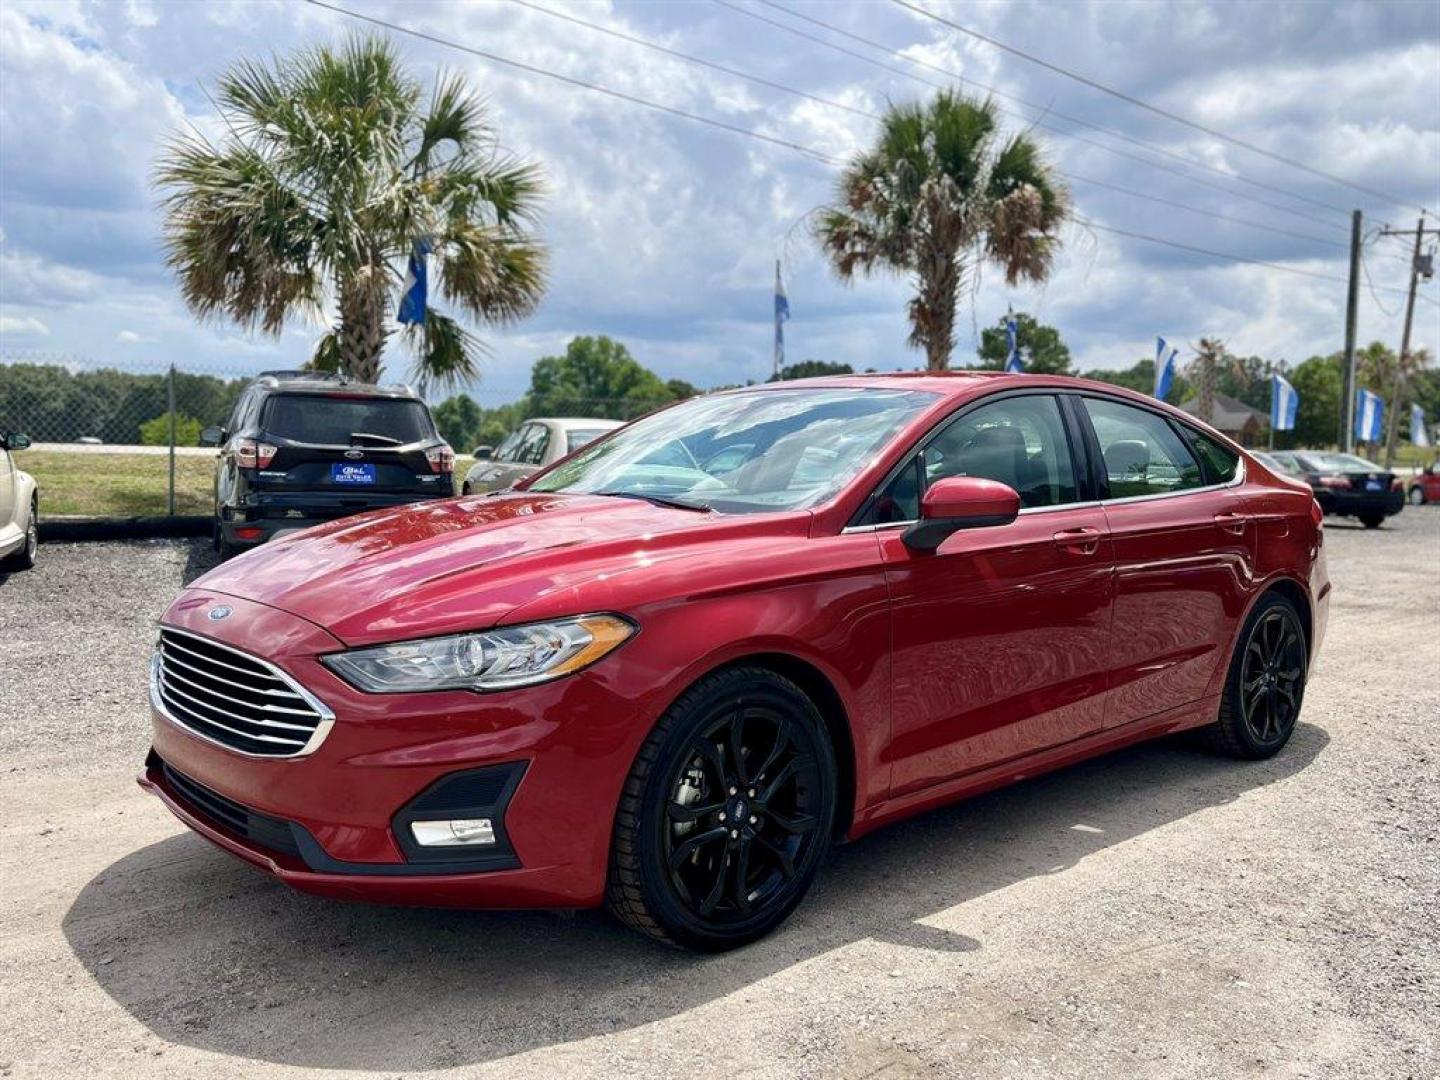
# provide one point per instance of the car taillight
(1316, 514)
(250, 454)
(441, 459)
(1397, 484)
(1335, 481)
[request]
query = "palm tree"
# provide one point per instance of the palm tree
(332, 170)
(942, 189)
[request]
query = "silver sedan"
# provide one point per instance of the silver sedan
(528, 449)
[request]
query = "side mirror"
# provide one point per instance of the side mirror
(482, 453)
(960, 502)
(212, 436)
(16, 441)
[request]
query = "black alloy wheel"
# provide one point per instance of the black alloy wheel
(1266, 682)
(727, 813)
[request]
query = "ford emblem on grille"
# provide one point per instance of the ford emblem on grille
(354, 455)
(219, 612)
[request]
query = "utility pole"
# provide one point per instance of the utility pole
(1346, 441)
(1397, 385)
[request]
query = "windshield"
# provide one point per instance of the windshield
(330, 420)
(1345, 461)
(744, 452)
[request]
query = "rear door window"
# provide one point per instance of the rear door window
(330, 420)
(1221, 463)
(1143, 454)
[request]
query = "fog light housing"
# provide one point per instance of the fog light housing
(456, 832)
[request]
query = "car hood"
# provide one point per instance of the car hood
(462, 564)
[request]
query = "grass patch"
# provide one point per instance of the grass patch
(127, 485)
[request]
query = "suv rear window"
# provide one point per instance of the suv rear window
(328, 419)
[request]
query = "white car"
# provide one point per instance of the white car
(19, 507)
(528, 449)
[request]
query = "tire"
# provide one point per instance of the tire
(1417, 496)
(465, 488)
(24, 559)
(1371, 521)
(1267, 674)
(682, 839)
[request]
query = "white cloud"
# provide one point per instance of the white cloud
(130, 337)
(23, 324)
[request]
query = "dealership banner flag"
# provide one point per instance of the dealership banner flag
(782, 313)
(412, 296)
(1369, 413)
(1419, 433)
(1164, 368)
(1284, 402)
(1013, 362)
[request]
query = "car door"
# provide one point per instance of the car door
(7, 492)
(1000, 637)
(1184, 542)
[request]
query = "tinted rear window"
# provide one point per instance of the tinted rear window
(331, 420)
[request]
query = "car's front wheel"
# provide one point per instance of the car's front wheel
(1417, 496)
(726, 815)
(1266, 682)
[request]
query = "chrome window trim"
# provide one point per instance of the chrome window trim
(322, 729)
(1089, 504)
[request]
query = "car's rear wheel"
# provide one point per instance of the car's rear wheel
(726, 815)
(1266, 682)
(1417, 496)
(1372, 521)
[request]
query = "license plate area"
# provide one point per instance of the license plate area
(1374, 485)
(351, 473)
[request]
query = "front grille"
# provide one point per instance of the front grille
(263, 831)
(235, 699)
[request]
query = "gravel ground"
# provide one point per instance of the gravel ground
(1159, 912)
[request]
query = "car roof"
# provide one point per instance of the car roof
(568, 422)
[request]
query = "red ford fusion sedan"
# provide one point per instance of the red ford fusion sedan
(669, 672)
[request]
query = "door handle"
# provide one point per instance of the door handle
(1232, 522)
(1081, 541)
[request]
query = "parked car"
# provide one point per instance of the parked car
(1425, 486)
(1346, 485)
(531, 447)
(19, 507)
(669, 672)
(305, 447)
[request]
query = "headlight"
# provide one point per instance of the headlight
(498, 659)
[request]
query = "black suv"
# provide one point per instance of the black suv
(303, 447)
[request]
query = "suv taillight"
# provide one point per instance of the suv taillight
(441, 459)
(250, 454)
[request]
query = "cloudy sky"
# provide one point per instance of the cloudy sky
(664, 231)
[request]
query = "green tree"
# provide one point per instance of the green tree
(1319, 384)
(810, 369)
(1043, 351)
(333, 168)
(597, 376)
(940, 191)
(156, 431)
(680, 389)
(459, 420)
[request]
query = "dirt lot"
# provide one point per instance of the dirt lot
(1160, 912)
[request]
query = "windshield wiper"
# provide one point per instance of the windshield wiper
(655, 500)
(371, 437)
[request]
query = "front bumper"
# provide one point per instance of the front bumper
(346, 804)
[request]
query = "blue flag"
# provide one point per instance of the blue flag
(1164, 368)
(412, 296)
(1284, 402)
(782, 313)
(1369, 412)
(1012, 345)
(1419, 433)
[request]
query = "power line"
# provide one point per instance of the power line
(1157, 110)
(783, 88)
(807, 151)
(1045, 110)
(1221, 254)
(496, 58)
(1147, 162)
